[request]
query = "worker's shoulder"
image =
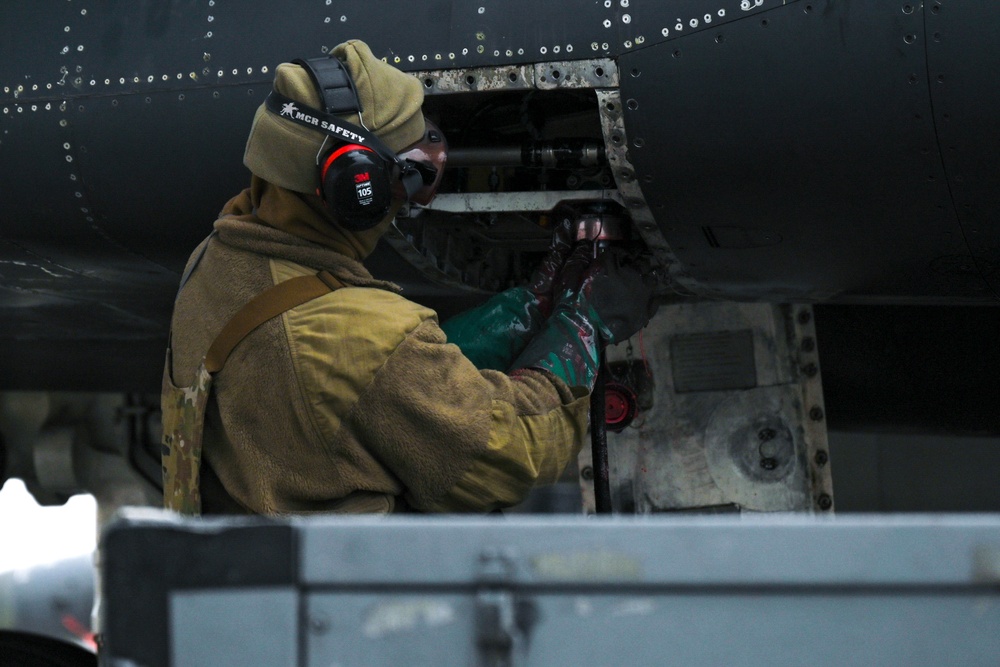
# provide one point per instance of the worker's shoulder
(380, 304)
(368, 304)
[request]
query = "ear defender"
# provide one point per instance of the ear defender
(355, 183)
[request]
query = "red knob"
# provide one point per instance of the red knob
(620, 406)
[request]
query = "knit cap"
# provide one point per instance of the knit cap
(285, 153)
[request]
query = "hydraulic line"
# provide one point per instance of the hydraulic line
(562, 154)
(599, 439)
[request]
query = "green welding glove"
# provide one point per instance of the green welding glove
(612, 302)
(493, 334)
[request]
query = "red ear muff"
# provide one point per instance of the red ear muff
(355, 183)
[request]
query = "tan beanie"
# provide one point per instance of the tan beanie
(284, 153)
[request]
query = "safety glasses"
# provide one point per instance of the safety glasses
(428, 156)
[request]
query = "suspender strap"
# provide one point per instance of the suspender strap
(270, 303)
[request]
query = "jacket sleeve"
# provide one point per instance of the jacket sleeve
(464, 440)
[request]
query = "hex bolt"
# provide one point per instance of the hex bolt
(816, 413)
(824, 501)
(822, 458)
(768, 463)
(810, 370)
(805, 317)
(808, 344)
(587, 473)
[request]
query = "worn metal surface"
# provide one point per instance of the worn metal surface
(534, 202)
(594, 73)
(734, 416)
(644, 222)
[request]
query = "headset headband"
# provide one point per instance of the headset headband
(334, 83)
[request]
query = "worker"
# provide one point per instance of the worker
(352, 398)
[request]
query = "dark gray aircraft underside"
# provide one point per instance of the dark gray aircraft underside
(845, 154)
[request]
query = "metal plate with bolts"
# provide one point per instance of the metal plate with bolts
(734, 416)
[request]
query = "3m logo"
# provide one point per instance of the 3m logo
(363, 189)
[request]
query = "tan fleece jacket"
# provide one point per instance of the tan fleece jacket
(355, 400)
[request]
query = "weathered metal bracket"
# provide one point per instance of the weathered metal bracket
(596, 73)
(616, 144)
(497, 202)
(504, 619)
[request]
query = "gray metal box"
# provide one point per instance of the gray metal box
(684, 590)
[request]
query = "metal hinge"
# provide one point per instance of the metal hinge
(504, 617)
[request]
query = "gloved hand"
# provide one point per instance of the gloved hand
(567, 282)
(612, 302)
(543, 284)
(493, 334)
(619, 287)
